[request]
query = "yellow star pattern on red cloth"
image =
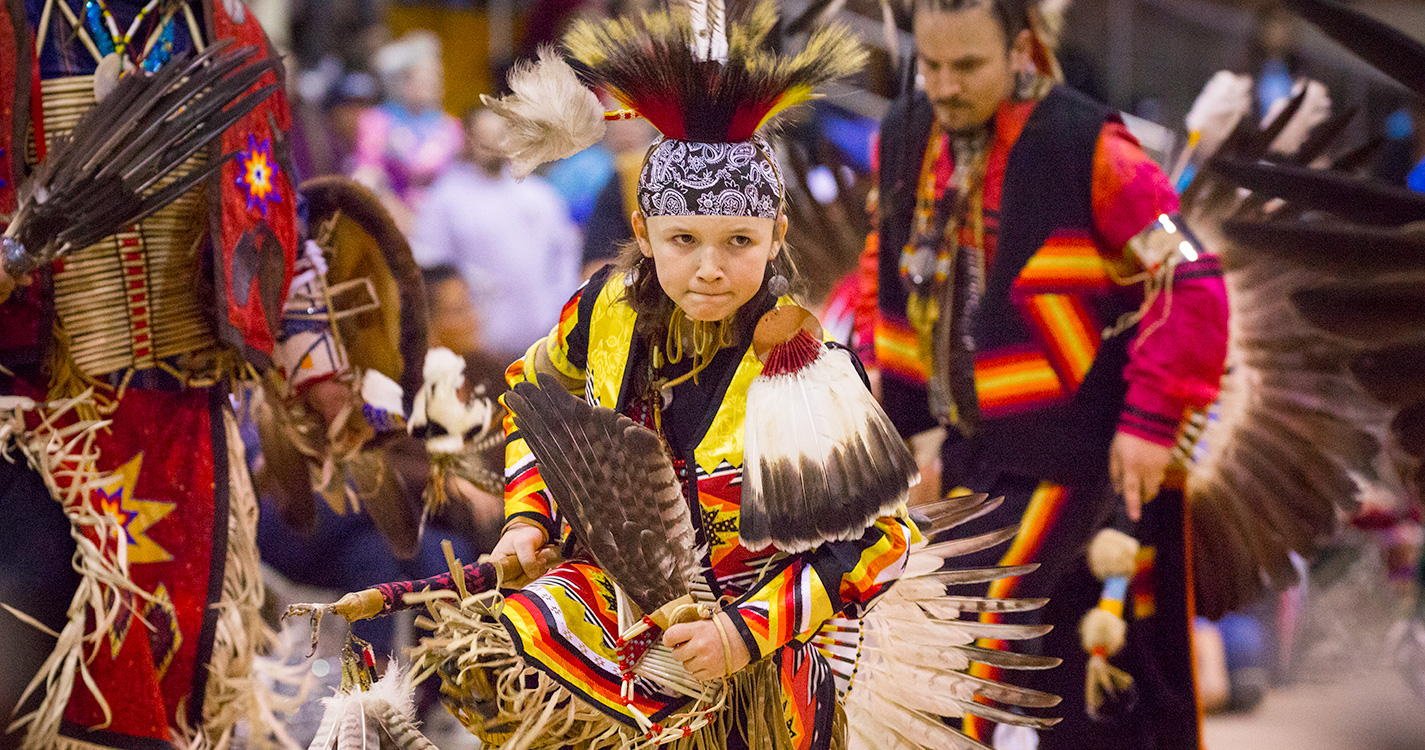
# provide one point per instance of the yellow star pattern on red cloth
(134, 516)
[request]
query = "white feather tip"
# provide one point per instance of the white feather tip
(442, 363)
(1315, 109)
(1225, 99)
(551, 115)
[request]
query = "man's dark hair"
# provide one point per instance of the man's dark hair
(1013, 15)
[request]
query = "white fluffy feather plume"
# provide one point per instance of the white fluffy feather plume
(551, 115)
(1100, 628)
(385, 711)
(1113, 553)
(382, 397)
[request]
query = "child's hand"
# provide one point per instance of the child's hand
(699, 646)
(523, 540)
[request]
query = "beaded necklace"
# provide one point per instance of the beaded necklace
(928, 258)
(158, 49)
(99, 33)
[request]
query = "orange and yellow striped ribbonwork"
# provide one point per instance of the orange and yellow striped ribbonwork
(1066, 263)
(1017, 379)
(898, 351)
(1044, 508)
(1069, 332)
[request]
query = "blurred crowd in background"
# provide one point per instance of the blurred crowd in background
(389, 93)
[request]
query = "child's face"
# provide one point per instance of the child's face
(709, 265)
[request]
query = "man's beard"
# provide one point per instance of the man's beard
(964, 112)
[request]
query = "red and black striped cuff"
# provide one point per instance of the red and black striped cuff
(1148, 425)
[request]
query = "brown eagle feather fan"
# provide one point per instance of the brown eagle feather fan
(613, 482)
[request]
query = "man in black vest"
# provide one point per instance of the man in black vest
(1038, 302)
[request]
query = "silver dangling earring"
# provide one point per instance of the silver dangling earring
(632, 276)
(778, 286)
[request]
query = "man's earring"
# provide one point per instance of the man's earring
(1026, 84)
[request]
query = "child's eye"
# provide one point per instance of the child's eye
(740, 240)
(684, 239)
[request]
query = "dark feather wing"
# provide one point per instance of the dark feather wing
(1332, 246)
(1388, 49)
(1370, 312)
(1328, 347)
(613, 481)
(122, 160)
(1392, 374)
(1345, 195)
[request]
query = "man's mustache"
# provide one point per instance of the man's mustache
(952, 103)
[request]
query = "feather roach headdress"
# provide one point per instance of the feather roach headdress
(693, 71)
(697, 75)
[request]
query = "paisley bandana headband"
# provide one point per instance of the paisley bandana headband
(691, 178)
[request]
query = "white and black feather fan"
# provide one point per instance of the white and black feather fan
(821, 460)
(108, 172)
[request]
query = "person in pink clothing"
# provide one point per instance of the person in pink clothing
(407, 141)
(1035, 301)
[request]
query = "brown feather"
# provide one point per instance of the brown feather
(613, 480)
(1388, 49)
(392, 477)
(1393, 375)
(1332, 247)
(971, 545)
(1379, 312)
(1409, 429)
(1290, 423)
